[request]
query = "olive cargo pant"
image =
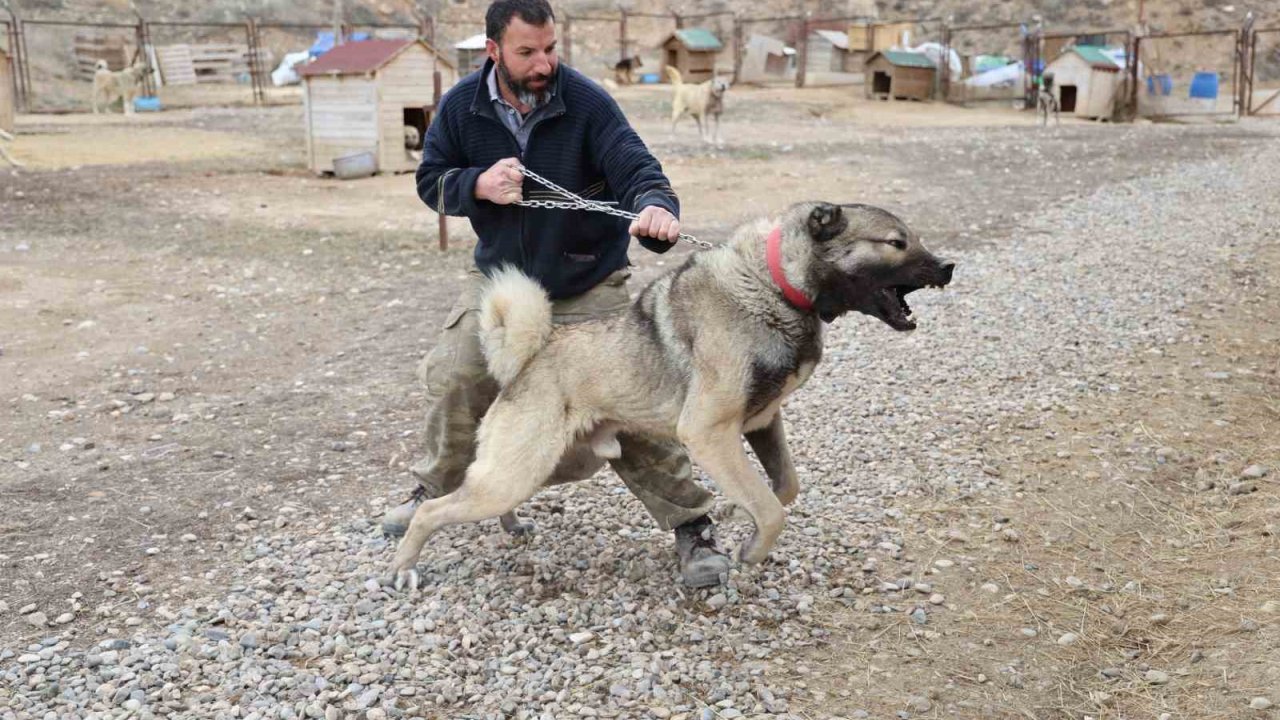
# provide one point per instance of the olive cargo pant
(460, 390)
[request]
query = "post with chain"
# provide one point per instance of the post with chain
(567, 50)
(737, 48)
(802, 51)
(437, 83)
(622, 35)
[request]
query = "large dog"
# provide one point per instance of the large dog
(706, 354)
(704, 101)
(1047, 102)
(125, 84)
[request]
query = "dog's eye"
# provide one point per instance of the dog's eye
(899, 243)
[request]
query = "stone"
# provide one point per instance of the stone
(580, 638)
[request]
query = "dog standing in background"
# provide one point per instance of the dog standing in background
(1046, 102)
(125, 84)
(623, 70)
(704, 101)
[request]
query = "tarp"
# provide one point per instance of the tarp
(284, 73)
(1006, 76)
(933, 51)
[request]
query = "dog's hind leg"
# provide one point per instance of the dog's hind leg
(512, 462)
(770, 446)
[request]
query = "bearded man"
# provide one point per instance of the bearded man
(524, 108)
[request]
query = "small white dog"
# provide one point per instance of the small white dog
(125, 84)
(704, 101)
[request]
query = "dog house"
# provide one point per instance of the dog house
(693, 52)
(8, 97)
(900, 75)
(827, 51)
(1085, 81)
(767, 59)
(359, 97)
(471, 53)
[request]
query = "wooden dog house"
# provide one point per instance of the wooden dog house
(693, 52)
(1085, 82)
(360, 96)
(900, 75)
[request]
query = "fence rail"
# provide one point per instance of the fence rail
(1241, 66)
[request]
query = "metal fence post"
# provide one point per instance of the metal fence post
(567, 49)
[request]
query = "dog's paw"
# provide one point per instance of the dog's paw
(402, 579)
(514, 526)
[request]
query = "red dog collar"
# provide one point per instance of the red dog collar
(773, 256)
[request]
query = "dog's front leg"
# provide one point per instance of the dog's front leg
(714, 440)
(770, 446)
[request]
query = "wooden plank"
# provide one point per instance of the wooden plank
(176, 67)
(6, 94)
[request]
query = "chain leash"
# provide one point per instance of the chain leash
(572, 201)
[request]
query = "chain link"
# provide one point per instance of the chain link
(575, 202)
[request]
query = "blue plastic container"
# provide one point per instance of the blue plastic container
(1159, 85)
(649, 78)
(1205, 85)
(146, 104)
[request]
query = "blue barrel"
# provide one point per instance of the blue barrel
(1205, 85)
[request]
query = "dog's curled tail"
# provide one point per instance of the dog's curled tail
(515, 322)
(674, 74)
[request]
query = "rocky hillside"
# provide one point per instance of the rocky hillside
(1162, 14)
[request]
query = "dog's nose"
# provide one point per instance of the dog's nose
(945, 268)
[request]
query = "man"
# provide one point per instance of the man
(524, 108)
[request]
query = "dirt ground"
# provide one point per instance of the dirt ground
(198, 333)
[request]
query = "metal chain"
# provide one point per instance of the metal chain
(575, 202)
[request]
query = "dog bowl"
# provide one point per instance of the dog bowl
(355, 165)
(146, 104)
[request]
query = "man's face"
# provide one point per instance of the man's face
(526, 59)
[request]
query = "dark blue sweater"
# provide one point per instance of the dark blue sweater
(581, 142)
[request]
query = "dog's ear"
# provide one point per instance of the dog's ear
(827, 221)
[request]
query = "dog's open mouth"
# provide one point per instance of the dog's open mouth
(892, 307)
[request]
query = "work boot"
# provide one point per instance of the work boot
(395, 522)
(702, 564)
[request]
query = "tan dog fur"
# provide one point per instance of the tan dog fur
(707, 354)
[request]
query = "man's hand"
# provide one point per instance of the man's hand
(502, 183)
(656, 222)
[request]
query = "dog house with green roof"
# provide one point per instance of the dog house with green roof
(900, 75)
(693, 52)
(1085, 81)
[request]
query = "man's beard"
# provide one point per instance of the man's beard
(525, 94)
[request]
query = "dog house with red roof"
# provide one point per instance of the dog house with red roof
(360, 97)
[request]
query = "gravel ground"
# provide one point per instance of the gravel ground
(585, 619)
